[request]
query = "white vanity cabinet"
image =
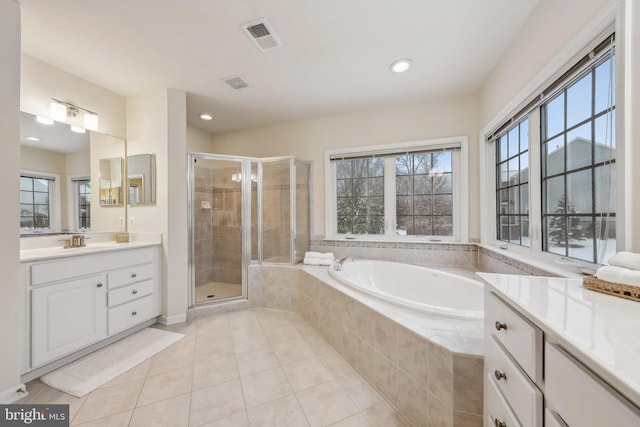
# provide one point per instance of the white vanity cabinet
(77, 301)
(552, 359)
(67, 316)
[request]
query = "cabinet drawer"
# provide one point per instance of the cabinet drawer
(126, 276)
(129, 293)
(580, 397)
(497, 410)
(84, 265)
(130, 314)
(521, 338)
(523, 396)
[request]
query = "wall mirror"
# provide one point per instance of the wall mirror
(141, 179)
(59, 178)
(111, 181)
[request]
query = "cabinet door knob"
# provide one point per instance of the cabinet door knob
(134, 275)
(133, 313)
(135, 291)
(99, 285)
(499, 423)
(500, 375)
(500, 325)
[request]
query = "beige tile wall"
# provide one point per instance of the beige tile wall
(422, 254)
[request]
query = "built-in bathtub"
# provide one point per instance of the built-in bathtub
(418, 288)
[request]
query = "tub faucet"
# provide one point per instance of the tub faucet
(337, 266)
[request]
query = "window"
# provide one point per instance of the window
(555, 165)
(578, 166)
(84, 203)
(360, 192)
(512, 184)
(424, 194)
(397, 191)
(35, 210)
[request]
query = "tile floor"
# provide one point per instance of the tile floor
(258, 367)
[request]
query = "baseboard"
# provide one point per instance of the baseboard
(172, 320)
(13, 394)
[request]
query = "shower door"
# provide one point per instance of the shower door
(220, 226)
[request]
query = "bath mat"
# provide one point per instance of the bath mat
(93, 370)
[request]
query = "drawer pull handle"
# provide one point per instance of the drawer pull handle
(99, 285)
(500, 375)
(500, 325)
(499, 423)
(135, 291)
(133, 313)
(134, 275)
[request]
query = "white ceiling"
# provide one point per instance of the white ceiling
(335, 56)
(57, 137)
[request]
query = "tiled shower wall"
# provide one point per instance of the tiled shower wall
(217, 236)
(276, 204)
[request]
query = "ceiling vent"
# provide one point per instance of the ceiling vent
(236, 82)
(261, 33)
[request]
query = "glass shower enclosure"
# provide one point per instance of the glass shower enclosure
(243, 210)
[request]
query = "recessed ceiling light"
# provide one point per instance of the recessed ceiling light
(33, 138)
(205, 116)
(401, 65)
(44, 120)
(78, 129)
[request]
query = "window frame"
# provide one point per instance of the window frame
(54, 201)
(460, 178)
(74, 201)
(550, 77)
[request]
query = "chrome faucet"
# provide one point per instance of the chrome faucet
(337, 266)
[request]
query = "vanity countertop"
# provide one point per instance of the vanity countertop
(600, 330)
(52, 252)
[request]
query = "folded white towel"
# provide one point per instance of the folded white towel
(626, 259)
(319, 255)
(318, 261)
(614, 274)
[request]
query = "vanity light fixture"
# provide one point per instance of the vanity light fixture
(91, 121)
(58, 111)
(206, 116)
(77, 129)
(401, 65)
(33, 138)
(44, 120)
(61, 111)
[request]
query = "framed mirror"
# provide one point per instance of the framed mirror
(141, 179)
(59, 184)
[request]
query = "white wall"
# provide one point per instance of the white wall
(11, 304)
(309, 139)
(42, 81)
(198, 141)
(551, 26)
(156, 123)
